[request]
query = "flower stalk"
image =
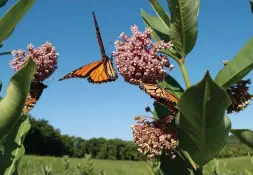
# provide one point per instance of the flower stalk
(184, 72)
(183, 69)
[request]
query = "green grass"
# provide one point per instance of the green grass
(237, 164)
(110, 167)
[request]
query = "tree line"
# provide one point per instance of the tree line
(43, 139)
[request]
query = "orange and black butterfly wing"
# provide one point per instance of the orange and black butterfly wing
(97, 72)
(110, 70)
(160, 95)
(35, 92)
(104, 73)
(83, 71)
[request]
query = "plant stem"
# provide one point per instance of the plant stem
(182, 67)
(5, 53)
(184, 72)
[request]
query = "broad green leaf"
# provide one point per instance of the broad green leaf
(164, 17)
(237, 68)
(184, 25)
(1, 149)
(170, 52)
(13, 16)
(160, 32)
(172, 86)
(14, 148)
(197, 4)
(1, 85)
(251, 159)
(244, 135)
(3, 2)
(202, 109)
(178, 165)
(251, 5)
(160, 111)
(9, 34)
(12, 104)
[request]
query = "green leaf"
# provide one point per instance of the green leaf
(164, 17)
(172, 86)
(12, 104)
(197, 4)
(1, 85)
(184, 25)
(160, 111)
(3, 2)
(251, 5)
(160, 31)
(13, 16)
(202, 109)
(244, 135)
(237, 68)
(178, 165)
(14, 148)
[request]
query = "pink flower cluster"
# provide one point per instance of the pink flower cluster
(136, 57)
(45, 58)
(152, 137)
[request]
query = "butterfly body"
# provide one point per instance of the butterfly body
(35, 92)
(101, 71)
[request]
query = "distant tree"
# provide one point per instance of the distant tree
(68, 145)
(44, 139)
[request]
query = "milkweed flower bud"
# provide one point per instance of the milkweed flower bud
(147, 109)
(137, 58)
(153, 137)
(45, 57)
(240, 97)
(239, 94)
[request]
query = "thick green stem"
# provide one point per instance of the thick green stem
(182, 67)
(184, 72)
(5, 53)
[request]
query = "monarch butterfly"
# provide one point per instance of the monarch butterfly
(99, 71)
(35, 92)
(159, 94)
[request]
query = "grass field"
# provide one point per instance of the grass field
(30, 165)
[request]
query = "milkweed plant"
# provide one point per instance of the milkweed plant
(34, 66)
(186, 139)
(184, 136)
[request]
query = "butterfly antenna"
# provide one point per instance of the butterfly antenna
(100, 42)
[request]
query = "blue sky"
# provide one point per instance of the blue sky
(107, 110)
